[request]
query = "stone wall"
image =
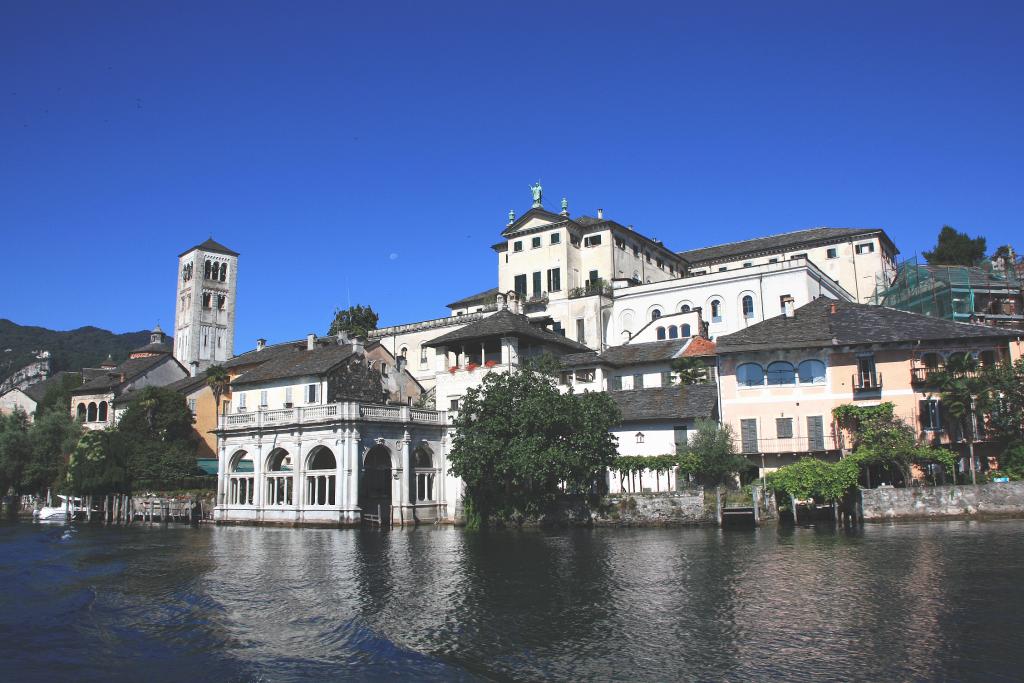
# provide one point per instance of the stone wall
(943, 501)
(654, 509)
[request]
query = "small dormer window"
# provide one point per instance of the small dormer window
(639, 437)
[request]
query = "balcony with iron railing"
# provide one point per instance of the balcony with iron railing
(866, 382)
(929, 375)
(794, 444)
(329, 412)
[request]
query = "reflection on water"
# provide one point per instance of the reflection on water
(940, 601)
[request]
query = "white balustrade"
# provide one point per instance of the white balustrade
(328, 412)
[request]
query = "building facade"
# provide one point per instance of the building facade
(204, 318)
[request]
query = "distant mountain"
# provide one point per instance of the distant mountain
(71, 350)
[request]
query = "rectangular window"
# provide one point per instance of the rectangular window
(311, 393)
(796, 256)
(867, 378)
(287, 397)
(638, 381)
(784, 427)
(585, 375)
(535, 243)
(620, 244)
(555, 280)
(661, 264)
(241, 401)
(832, 252)
(594, 277)
(866, 248)
(773, 260)
(536, 284)
(722, 269)
(748, 435)
(423, 356)
(556, 238)
(520, 285)
(517, 246)
(263, 399)
(192, 406)
(666, 378)
(206, 300)
(748, 264)
(221, 301)
(615, 383)
(647, 256)
(558, 329)
(931, 415)
(815, 433)
(565, 378)
(453, 404)
(636, 251)
(581, 331)
(681, 435)
(592, 241)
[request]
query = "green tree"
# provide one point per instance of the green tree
(53, 437)
(710, 455)
(689, 370)
(519, 441)
(58, 396)
(15, 450)
(219, 381)
(356, 320)
(956, 248)
(157, 431)
(99, 464)
(823, 481)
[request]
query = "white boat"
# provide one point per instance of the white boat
(59, 512)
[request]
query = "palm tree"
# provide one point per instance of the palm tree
(219, 381)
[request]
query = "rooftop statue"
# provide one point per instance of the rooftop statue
(538, 192)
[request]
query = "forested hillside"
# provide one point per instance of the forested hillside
(70, 350)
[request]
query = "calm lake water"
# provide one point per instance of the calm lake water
(938, 601)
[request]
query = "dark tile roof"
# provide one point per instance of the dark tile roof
(268, 352)
(486, 296)
(299, 363)
(535, 212)
(661, 403)
(575, 360)
(504, 324)
(212, 246)
(187, 385)
(815, 325)
(774, 243)
(37, 391)
(157, 347)
(130, 369)
(648, 352)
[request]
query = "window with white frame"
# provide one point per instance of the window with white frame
(312, 393)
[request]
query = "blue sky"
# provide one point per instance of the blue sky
(370, 152)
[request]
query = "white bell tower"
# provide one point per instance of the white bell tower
(204, 317)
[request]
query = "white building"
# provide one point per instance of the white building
(204, 318)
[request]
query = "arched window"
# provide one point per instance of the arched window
(280, 461)
(81, 412)
(781, 372)
(103, 411)
(655, 314)
(661, 333)
(322, 459)
(685, 308)
(223, 272)
(686, 329)
(424, 459)
(92, 412)
(716, 311)
(750, 375)
(673, 332)
(812, 372)
(403, 353)
(931, 360)
(748, 306)
(206, 272)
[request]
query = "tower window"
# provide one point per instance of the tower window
(221, 301)
(206, 272)
(206, 299)
(223, 272)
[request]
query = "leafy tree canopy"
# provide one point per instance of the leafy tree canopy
(15, 450)
(689, 370)
(710, 455)
(356, 320)
(518, 440)
(956, 248)
(157, 431)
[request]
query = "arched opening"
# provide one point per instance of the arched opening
(686, 330)
(673, 332)
(685, 308)
(716, 311)
(280, 481)
(661, 333)
(81, 412)
(321, 482)
(655, 314)
(241, 482)
(92, 412)
(206, 271)
(750, 375)
(375, 487)
(781, 372)
(102, 411)
(748, 306)
(425, 473)
(223, 272)
(987, 358)
(812, 371)
(931, 360)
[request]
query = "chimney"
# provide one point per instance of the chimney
(193, 368)
(261, 344)
(310, 341)
(833, 308)
(787, 306)
(500, 301)
(358, 345)
(600, 214)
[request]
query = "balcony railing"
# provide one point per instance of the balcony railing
(926, 375)
(795, 444)
(329, 412)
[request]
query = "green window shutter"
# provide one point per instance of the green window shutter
(816, 433)
(748, 435)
